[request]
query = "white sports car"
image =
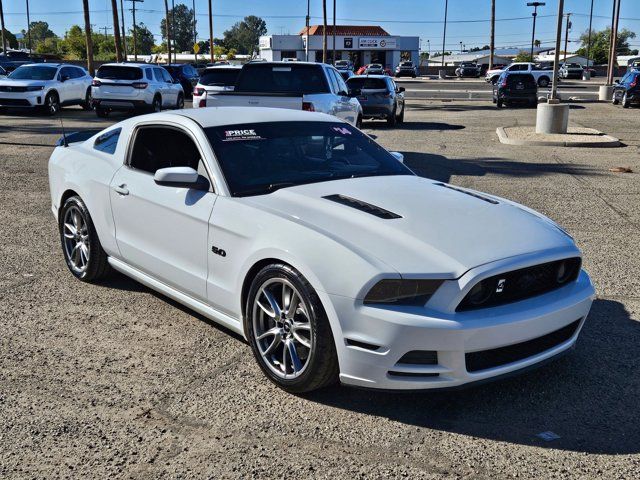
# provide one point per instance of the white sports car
(331, 257)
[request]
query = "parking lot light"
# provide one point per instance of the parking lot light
(535, 6)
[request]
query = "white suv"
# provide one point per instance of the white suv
(131, 86)
(220, 78)
(49, 86)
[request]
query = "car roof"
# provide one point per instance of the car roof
(217, 116)
(129, 64)
(56, 65)
(370, 76)
(223, 67)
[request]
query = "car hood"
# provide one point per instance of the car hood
(492, 72)
(22, 83)
(443, 231)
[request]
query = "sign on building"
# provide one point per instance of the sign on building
(377, 42)
(348, 42)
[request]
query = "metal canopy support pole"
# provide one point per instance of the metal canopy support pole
(334, 33)
(124, 32)
(28, 28)
(566, 37)
(492, 40)
(195, 34)
(306, 34)
(614, 41)
(589, 40)
(4, 41)
(444, 33)
(210, 31)
(556, 59)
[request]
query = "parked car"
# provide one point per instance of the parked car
(406, 69)
(334, 260)
(571, 70)
(220, 78)
(293, 85)
(627, 90)
(47, 86)
(135, 86)
(186, 75)
(379, 96)
(515, 88)
(468, 69)
(374, 69)
(543, 77)
(343, 65)
(12, 59)
(346, 74)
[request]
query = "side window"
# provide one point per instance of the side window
(342, 86)
(163, 147)
(107, 142)
(65, 72)
(157, 72)
(332, 80)
(167, 76)
(148, 73)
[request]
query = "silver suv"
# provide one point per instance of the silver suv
(133, 86)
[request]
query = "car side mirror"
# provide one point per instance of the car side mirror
(617, 81)
(401, 89)
(181, 177)
(398, 156)
(64, 78)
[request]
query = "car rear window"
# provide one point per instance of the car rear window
(364, 83)
(525, 78)
(292, 78)
(117, 72)
(220, 77)
(406, 64)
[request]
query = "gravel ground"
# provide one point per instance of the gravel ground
(113, 380)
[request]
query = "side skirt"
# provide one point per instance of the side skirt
(196, 305)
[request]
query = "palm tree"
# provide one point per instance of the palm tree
(116, 30)
(87, 34)
(536, 43)
(324, 31)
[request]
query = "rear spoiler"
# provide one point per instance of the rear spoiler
(76, 137)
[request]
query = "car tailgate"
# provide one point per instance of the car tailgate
(248, 99)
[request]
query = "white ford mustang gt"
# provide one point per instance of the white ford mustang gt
(322, 249)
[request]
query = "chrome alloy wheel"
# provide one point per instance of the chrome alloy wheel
(77, 247)
(282, 328)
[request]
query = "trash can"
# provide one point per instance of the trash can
(586, 75)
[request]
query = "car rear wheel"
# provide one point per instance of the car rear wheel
(625, 101)
(88, 101)
(52, 103)
(499, 103)
(401, 116)
(359, 122)
(156, 105)
(614, 99)
(393, 118)
(102, 112)
(543, 82)
(289, 331)
(180, 102)
(83, 253)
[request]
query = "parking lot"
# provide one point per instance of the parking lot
(115, 380)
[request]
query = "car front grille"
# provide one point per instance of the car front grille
(521, 284)
(8, 88)
(485, 359)
(14, 102)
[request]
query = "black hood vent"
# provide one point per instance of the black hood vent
(363, 206)
(473, 194)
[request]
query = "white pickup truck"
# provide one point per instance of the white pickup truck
(542, 76)
(308, 86)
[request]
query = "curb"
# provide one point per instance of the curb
(607, 142)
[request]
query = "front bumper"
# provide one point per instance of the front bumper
(469, 346)
(22, 99)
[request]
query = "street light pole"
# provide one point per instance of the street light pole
(124, 33)
(535, 6)
(195, 34)
(28, 28)
(589, 40)
(556, 55)
(306, 34)
(444, 33)
(334, 33)
(492, 39)
(566, 37)
(210, 31)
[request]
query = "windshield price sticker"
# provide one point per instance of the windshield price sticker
(342, 130)
(248, 134)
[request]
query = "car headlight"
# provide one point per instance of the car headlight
(35, 88)
(402, 292)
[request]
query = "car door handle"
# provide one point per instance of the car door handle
(121, 189)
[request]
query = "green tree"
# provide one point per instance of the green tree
(600, 43)
(245, 35)
(11, 39)
(74, 44)
(182, 32)
(50, 45)
(523, 56)
(144, 40)
(40, 31)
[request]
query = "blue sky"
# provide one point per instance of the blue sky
(422, 18)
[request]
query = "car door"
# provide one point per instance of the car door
(83, 82)
(68, 85)
(349, 107)
(171, 89)
(398, 95)
(162, 230)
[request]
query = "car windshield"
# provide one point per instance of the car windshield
(375, 65)
(260, 158)
(366, 83)
(280, 78)
(117, 72)
(406, 64)
(33, 73)
(220, 77)
(342, 63)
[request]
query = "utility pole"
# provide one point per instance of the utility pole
(306, 33)
(614, 41)
(135, 29)
(210, 31)
(566, 38)
(492, 40)
(173, 26)
(324, 31)
(589, 40)
(167, 30)
(105, 31)
(444, 33)
(535, 6)
(333, 56)
(195, 33)
(116, 30)
(4, 41)
(124, 33)
(87, 34)
(29, 28)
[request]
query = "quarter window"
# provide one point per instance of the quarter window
(107, 142)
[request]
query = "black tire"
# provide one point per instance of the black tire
(180, 102)
(543, 82)
(499, 103)
(52, 103)
(392, 119)
(494, 80)
(156, 105)
(401, 116)
(625, 101)
(97, 266)
(102, 112)
(359, 122)
(87, 105)
(321, 362)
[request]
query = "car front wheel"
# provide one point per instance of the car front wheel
(81, 247)
(543, 82)
(52, 103)
(625, 101)
(289, 331)
(87, 104)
